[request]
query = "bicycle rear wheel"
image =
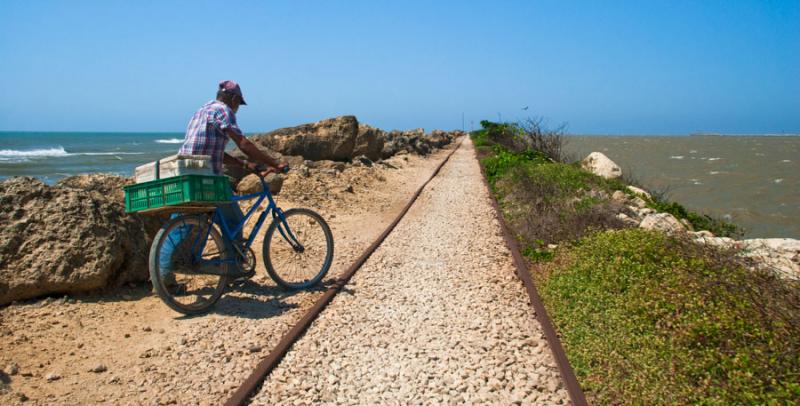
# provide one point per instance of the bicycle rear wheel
(298, 249)
(175, 255)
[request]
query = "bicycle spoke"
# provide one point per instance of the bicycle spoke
(292, 267)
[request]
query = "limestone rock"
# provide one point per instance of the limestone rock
(663, 222)
(779, 254)
(61, 240)
(252, 184)
(601, 165)
(369, 142)
(640, 192)
(108, 185)
(333, 138)
(639, 202)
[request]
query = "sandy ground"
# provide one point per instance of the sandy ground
(130, 348)
(435, 316)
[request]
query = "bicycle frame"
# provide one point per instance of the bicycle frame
(229, 234)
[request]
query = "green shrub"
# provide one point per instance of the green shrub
(651, 319)
(503, 160)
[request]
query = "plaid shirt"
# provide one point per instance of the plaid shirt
(205, 134)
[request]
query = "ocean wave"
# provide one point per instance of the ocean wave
(779, 180)
(105, 153)
(44, 152)
(676, 157)
(56, 152)
(170, 141)
(714, 159)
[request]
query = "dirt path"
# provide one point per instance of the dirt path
(143, 353)
(435, 316)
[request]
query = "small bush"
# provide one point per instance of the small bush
(502, 160)
(527, 135)
(549, 203)
(651, 319)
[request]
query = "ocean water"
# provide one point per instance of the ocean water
(752, 180)
(52, 156)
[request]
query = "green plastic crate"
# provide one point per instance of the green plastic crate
(177, 191)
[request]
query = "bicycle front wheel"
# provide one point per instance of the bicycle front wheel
(178, 250)
(298, 249)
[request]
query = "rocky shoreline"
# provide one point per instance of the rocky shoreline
(781, 255)
(75, 236)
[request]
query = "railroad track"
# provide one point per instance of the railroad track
(248, 388)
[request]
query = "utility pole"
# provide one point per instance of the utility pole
(462, 121)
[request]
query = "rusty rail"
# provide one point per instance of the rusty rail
(574, 390)
(251, 384)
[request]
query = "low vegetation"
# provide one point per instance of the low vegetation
(645, 317)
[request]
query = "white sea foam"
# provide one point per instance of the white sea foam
(714, 172)
(692, 151)
(779, 180)
(105, 153)
(786, 160)
(170, 141)
(714, 159)
(55, 152)
(676, 157)
(44, 152)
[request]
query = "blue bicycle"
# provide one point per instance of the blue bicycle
(194, 255)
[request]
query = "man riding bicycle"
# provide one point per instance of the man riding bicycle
(207, 133)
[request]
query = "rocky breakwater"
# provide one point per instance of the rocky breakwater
(335, 141)
(68, 238)
(782, 255)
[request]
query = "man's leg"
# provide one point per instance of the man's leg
(166, 256)
(232, 216)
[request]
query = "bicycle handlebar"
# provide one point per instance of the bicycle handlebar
(267, 170)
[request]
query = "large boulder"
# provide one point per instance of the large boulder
(252, 184)
(106, 184)
(369, 142)
(110, 186)
(780, 254)
(58, 239)
(601, 165)
(333, 138)
(663, 222)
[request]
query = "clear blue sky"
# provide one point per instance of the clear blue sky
(646, 67)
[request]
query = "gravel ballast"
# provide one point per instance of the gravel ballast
(435, 316)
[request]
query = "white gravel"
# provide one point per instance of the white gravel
(435, 316)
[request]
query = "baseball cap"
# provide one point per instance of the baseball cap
(230, 86)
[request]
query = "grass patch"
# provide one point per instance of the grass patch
(651, 319)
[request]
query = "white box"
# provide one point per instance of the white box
(174, 165)
(185, 166)
(146, 172)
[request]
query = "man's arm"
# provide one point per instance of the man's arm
(250, 149)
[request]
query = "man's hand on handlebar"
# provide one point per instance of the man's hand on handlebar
(264, 170)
